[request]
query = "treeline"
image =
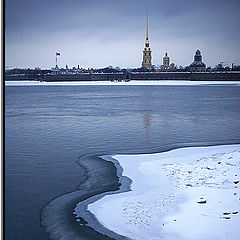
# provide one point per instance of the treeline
(28, 72)
(37, 72)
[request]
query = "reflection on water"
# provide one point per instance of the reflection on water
(147, 123)
(147, 98)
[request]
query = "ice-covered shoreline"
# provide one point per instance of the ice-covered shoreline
(187, 193)
(155, 82)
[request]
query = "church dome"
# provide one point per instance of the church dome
(197, 64)
(166, 56)
(198, 52)
(198, 56)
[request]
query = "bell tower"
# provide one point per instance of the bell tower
(166, 60)
(147, 58)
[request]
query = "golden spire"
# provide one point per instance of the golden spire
(147, 27)
(147, 41)
(147, 50)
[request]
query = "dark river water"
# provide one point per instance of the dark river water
(47, 128)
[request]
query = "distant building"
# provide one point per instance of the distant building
(166, 60)
(147, 58)
(197, 65)
(173, 67)
(56, 69)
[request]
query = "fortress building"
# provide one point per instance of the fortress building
(166, 61)
(197, 65)
(147, 58)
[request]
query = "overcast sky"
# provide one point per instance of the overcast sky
(98, 33)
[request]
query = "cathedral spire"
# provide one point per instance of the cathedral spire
(147, 58)
(147, 27)
(147, 41)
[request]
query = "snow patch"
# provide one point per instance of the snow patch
(188, 193)
(155, 82)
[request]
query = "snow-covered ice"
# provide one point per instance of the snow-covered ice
(188, 193)
(154, 82)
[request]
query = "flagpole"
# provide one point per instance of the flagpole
(57, 54)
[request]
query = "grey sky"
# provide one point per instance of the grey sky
(101, 33)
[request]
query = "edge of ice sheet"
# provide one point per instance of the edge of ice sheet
(57, 215)
(156, 82)
(187, 193)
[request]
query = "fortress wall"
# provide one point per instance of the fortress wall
(143, 76)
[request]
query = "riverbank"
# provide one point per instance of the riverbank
(131, 76)
(189, 193)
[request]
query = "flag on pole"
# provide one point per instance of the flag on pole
(57, 53)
